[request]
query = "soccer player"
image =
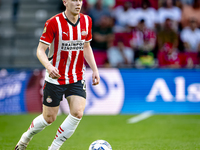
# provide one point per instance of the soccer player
(68, 37)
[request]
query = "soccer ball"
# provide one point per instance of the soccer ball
(100, 145)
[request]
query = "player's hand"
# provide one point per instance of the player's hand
(95, 78)
(53, 72)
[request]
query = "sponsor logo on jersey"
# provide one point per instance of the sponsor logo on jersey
(72, 45)
(49, 100)
(65, 33)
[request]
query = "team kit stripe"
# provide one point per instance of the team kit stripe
(61, 129)
(71, 80)
(56, 43)
(76, 36)
(87, 23)
(82, 27)
(75, 32)
(60, 60)
(70, 62)
(79, 69)
(44, 42)
(62, 66)
(70, 58)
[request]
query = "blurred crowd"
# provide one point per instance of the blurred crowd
(145, 33)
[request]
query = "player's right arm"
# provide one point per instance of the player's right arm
(45, 41)
(53, 71)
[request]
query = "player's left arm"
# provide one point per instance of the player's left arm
(89, 57)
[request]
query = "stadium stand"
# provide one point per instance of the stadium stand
(19, 37)
(22, 21)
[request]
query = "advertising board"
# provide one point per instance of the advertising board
(13, 86)
(162, 91)
(125, 91)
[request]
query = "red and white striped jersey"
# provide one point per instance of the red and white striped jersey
(66, 42)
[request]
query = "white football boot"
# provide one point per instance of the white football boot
(23, 143)
(21, 146)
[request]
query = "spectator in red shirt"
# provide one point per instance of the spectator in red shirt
(169, 57)
(143, 42)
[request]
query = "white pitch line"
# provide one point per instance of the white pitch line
(140, 117)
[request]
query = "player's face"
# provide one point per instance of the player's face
(74, 6)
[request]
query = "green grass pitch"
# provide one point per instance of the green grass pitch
(159, 132)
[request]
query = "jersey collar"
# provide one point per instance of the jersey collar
(70, 21)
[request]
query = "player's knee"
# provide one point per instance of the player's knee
(50, 118)
(78, 114)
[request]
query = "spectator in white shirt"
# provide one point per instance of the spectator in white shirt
(123, 15)
(169, 11)
(120, 55)
(191, 37)
(147, 13)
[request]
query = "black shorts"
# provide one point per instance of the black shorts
(53, 94)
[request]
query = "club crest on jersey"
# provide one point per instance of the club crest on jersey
(49, 100)
(83, 33)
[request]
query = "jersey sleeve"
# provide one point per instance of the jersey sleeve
(89, 35)
(48, 33)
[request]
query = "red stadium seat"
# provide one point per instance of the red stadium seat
(100, 57)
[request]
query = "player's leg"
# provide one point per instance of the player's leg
(50, 113)
(37, 125)
(51, 103)
(69, 125)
